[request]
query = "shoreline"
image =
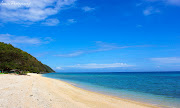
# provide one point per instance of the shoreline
(112, 96)
(126, 98)
(42, 92)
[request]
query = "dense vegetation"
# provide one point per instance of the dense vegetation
(14, 58)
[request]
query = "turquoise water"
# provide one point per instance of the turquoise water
(157, 88)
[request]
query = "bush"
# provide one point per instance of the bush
(24, 73)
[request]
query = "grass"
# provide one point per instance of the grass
(1, 73)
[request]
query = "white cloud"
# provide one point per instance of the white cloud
(167, 60)
(59, 68)
(7, 38)
(51, 22)
(37, 10)
(25, 39)
(99, 66)
(88, 9)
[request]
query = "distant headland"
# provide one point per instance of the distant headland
(14, 60)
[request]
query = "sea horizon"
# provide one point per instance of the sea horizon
(157, 88)
(124, 72)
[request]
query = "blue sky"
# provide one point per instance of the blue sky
(96, 35)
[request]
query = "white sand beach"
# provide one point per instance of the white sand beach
(35, 91)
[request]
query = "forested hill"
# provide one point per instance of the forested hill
(14, 58)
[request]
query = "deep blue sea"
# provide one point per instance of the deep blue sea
(158, 88)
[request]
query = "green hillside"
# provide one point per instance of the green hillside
(14, 58)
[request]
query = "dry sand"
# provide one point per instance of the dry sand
(35, 91)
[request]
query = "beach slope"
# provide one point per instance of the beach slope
(35, 91)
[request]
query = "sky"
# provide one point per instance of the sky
(95, 35)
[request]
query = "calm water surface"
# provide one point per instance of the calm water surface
(159, 88)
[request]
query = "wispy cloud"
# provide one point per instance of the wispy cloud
(173, 2)
(47, 40)
(7, 38)
(71, 21)
(139, 26)
(37, 10)
(103, 46)
(88, 9)
(168, 2)
(150, 10)
(156, 6)
(77, 53)
(100, 46)
(97, 66)
(51, 22)
(166, 60)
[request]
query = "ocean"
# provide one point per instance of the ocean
(157, 88)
